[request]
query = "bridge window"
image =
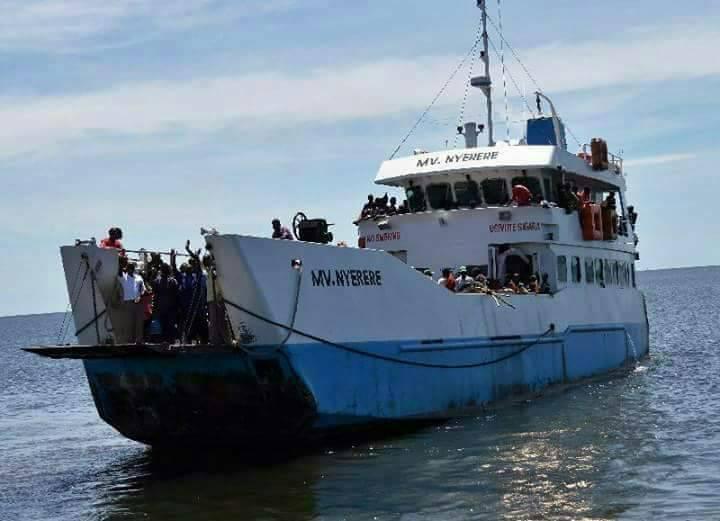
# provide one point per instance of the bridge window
(576, 269)
(632, 273)
(562, 268)
(589, 271)
(608, 273)
(599, 272)
(495, 191)
(531, 183)
(415, 198)
(616, 272)
(467, 193)
(439, 196)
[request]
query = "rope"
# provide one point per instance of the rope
(295, 309)
(385, 358)
(437, 96)
(74, 302)
(61, 332)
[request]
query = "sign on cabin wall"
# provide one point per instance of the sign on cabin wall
(381, 237)
(446, 159)
(515, 227)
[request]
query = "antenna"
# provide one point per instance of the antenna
(483, 82)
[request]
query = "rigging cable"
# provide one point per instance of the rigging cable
(473, 56)
(437, 96)
(502, 62)
(514, 82)
(527, 72)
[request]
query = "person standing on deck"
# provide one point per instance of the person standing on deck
(112, 241)
(131, 289)
(165, 303)
(280, 232)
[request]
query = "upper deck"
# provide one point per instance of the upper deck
(495, 160)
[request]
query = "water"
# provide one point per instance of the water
(642, 446)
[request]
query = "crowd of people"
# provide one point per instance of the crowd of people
(466, 281)
(161, 302)
(381, 207)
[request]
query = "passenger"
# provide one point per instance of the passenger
(218, 330)
(585, 196)
(521, 195)
(165, 303)
(514, 283)
(416, 200)
(522, 290)
(381, 205)
(195, 325)
(573, 203)
(132, 288)
(545, 285)
(610, 203)
(112, 241)
(280, 232)
(447, 280)
(368, 209)
(463, 281)
(533, 285)
(392, 207)
(403, 209)
(481, 283)
(505, 251)
(473, 192)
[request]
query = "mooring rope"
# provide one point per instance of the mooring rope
(386, 358)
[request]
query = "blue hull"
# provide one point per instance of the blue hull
(306, 390)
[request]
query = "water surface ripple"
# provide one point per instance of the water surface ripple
(644, 445)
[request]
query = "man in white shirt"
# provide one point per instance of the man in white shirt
(464, 280)
(133, 288)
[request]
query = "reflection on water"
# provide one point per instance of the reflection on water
(637, 446)
(530, 459)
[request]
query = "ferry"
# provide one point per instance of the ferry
(324, 338)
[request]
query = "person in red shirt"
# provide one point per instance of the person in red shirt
(521, 195)
(113, 240)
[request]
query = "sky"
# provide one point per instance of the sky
(162, 117)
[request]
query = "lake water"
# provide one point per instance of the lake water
(645, 445)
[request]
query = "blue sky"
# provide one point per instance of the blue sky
(161, 117)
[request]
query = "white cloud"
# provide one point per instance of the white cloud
(661, 53)
(61, 25)
(658, 160)
(333, 93)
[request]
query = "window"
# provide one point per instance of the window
(589, 271)
(632, 272)
(495, 191)
(439, 196)
(547, 183)
(467, 193)
(616, 272)
(599, 272)
(608, 272)
(576, 269)
(415, 198)
(531, 183)
(562, 268)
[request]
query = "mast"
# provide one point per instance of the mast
(484, 83)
